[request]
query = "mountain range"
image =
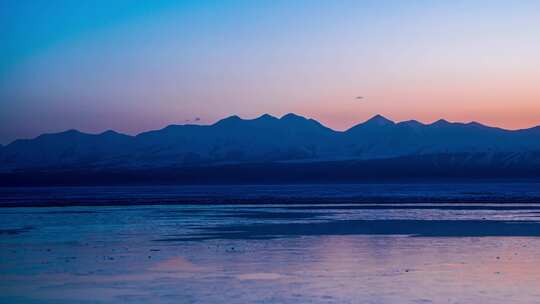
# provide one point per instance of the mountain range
(291, 139)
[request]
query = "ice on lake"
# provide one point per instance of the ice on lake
(445, 252)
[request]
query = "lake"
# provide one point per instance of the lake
(385, 243)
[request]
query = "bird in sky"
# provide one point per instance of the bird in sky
(359, 97)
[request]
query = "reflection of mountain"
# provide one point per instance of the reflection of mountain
(290, 139)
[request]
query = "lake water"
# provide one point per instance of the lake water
(284, 244)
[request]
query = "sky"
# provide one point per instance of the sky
(133, 66)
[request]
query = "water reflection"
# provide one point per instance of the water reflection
(111, 255)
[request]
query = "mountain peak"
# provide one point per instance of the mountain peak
(441, 122)
(229, 120)
(109, 133)
(292, 116)
(411, 123)
(67, 133)
(379, 120)
(71, 131)
(476, 124)
(232, 118)
(266, 117)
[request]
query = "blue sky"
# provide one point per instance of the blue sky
(138, 65)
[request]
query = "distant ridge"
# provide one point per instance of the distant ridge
(267, 139)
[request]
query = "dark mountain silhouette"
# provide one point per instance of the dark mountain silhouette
(291, 139)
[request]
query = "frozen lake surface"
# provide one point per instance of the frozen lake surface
(382, 244)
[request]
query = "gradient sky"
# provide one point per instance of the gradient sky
(138, 65)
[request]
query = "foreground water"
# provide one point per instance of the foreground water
(484, 250)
